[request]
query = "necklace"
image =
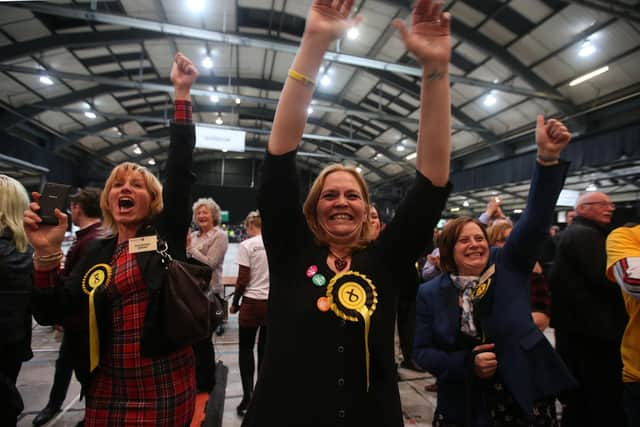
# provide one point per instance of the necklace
(339, 262)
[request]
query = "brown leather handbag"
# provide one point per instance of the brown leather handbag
(190, 315)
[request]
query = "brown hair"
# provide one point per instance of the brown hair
(496, 231)
(153, 186)
(449, 238)
(311, 203)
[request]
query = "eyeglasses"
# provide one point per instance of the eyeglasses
(602, 204)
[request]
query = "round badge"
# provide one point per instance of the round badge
(319, 280)
(311, 271)
(352, 296)
(323, 304)
(98, 275)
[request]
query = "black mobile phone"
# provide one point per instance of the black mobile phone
(53, 196)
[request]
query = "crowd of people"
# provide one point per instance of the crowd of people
(322, 282)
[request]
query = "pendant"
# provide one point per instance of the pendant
(340, 263)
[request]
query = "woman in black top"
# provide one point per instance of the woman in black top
(330, 359)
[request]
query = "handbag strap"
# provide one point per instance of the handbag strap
(163, 250)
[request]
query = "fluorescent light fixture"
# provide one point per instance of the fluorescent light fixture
(587, 49)
(400, 147)
(207, 62)
(136, 149)
(151, 162)
(592, 187)
(353, 33)
(588, 76)
(46, 80)
(309, 110)
(490, 100)
(325, 80)
(465, 204)
(455, 209)
(238, 101)
(219, 120)
(224, 150)
(90, 114)
(411, 156)
(517, 211)
(358, 169)
(195, 5)
(214, 98)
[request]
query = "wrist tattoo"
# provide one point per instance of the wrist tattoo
(435, 75)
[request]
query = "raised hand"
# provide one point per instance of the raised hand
(330, 18)
(551, 138)
(183, 75)
(45, 239)
(429, 37)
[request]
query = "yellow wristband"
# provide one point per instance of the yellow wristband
(301, 77)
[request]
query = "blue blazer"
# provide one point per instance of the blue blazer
(527, 364)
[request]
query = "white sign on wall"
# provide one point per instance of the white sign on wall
(214, 138)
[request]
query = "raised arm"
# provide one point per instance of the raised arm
(327, 20)
(429, 40)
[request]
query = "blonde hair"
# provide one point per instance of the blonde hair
(496, 231)
(14, 200)
(213, 207)
(153, 187)
(311, 204)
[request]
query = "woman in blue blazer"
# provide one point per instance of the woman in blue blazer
(474, 329)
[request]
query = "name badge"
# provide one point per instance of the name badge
(143, 244)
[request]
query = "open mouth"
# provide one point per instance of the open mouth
(125, 203)
(341, 217)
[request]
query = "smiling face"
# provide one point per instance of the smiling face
(374, 219)
(471, 250)
(204, 218)
(341, 210)
(129, 199)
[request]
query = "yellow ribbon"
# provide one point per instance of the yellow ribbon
(97, 276)
(354, 293)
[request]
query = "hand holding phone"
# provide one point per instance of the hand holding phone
(53, 196)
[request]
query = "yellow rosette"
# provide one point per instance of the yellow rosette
(98, 275)
(352, 296)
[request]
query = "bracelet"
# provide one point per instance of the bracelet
(43, 259)
(547, 161)
(307, 81)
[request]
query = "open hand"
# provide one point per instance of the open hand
(551, 137)
(429, 38)
(330, 18)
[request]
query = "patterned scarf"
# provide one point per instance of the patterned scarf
(466, 285)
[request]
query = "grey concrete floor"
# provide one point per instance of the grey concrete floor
(36, 377)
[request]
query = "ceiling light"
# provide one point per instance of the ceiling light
(589, 76)
(400, 147)
(207, 62)
(411, 156)
(358, 169)
(353, 33)
(46, 80)
(490, 101)
(587, 49)
(325, 80)
(214, 98)
(238, 101)
(137, 149)
(219, 120)
(195, 5)
(151, 162)
(224, 150)
(456, 209)
(90, 114)
(592, 187)
(465, 204)
(517, 211)
(309, 110)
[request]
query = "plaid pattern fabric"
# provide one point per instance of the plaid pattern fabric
(128, 389)
(182, 111)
